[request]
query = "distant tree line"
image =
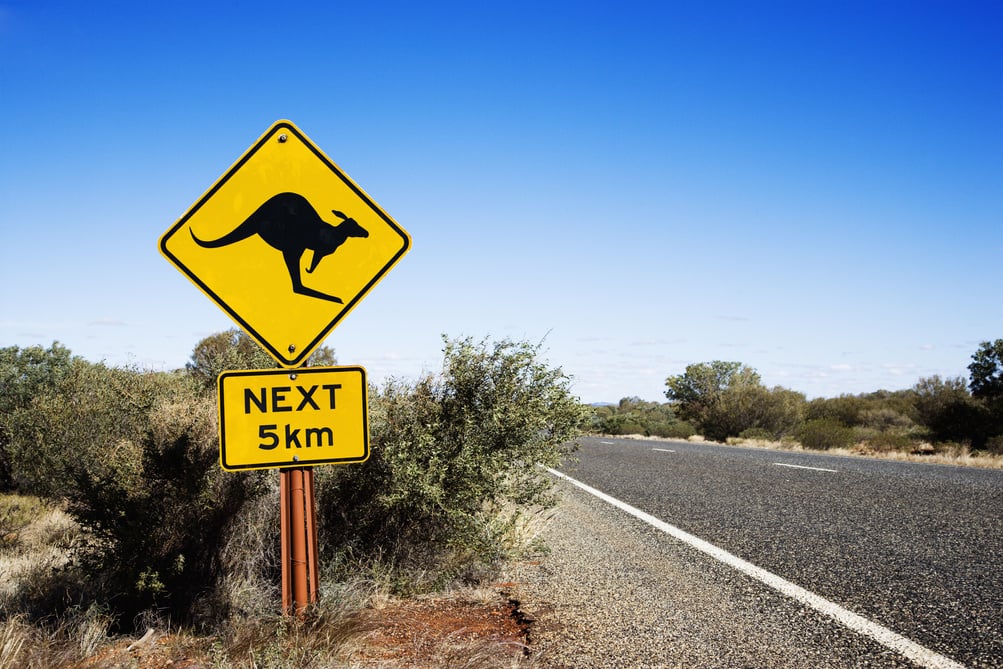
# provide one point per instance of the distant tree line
(723, 400)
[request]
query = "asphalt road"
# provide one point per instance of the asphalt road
(915, 548)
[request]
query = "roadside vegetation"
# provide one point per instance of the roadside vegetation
(952, 418)
(116, 518)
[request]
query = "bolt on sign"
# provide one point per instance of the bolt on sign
(285, 243)
(281, 418)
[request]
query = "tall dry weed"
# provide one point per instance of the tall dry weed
(14, 634)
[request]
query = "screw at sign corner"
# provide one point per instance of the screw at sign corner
(283, 137)
(292, 347)
(296, 458)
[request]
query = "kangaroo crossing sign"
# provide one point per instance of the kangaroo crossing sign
(285, 243)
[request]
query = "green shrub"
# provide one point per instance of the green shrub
(162, 526)
(135, 456)
(889, 442)
(674, 430)
(24, 374)
(91, 417)
(823, 434)
(452, 456)
(678, 430)
(886, 420)
(777, 411)
(631, 427)
(846, 409)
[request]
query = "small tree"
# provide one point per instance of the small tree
(777, 412)
(698, 389)
(234, 349)
(987, 371)
(222, 351)
(986, 383)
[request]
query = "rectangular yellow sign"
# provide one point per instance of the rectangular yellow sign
(292, 418)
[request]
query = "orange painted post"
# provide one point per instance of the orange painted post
(313, 561)
(300, 570)
(287, 592)
(298, 561)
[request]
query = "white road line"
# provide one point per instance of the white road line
(910, 649)
(817, 469)
(608, 443)
(663, 450)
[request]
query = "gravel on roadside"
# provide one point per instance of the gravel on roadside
(614, 592)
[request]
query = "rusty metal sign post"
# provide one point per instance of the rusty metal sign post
(254, 244)
(300, 571)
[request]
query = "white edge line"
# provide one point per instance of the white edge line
(817, 469)
(910, 649)
(663, 450)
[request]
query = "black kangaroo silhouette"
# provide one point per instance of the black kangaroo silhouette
(289, 223)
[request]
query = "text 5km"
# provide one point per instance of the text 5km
(312, 436)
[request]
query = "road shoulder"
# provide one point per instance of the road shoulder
(614, 592)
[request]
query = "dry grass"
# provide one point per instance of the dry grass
(35, 540)
(943, 454)
(63, 644)
(952, 454)
(356, 624)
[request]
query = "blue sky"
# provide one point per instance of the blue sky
(814, 189)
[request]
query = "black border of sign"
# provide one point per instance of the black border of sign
(298, 372)
(274, 352)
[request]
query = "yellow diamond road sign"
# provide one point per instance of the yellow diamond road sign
(285, 243)
(279, 418)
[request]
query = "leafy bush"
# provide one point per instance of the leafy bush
(678, 430)
(846, 409)
(884, 442)
(24, 374)
(452, 456)
(90, 417)
(886, 420)
(776, 411)
(217, 353)
(950, 413)
(135, 456)
(674, 430)
(163, 523)
(823, 434)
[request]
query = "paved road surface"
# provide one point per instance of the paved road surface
(914, 549)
